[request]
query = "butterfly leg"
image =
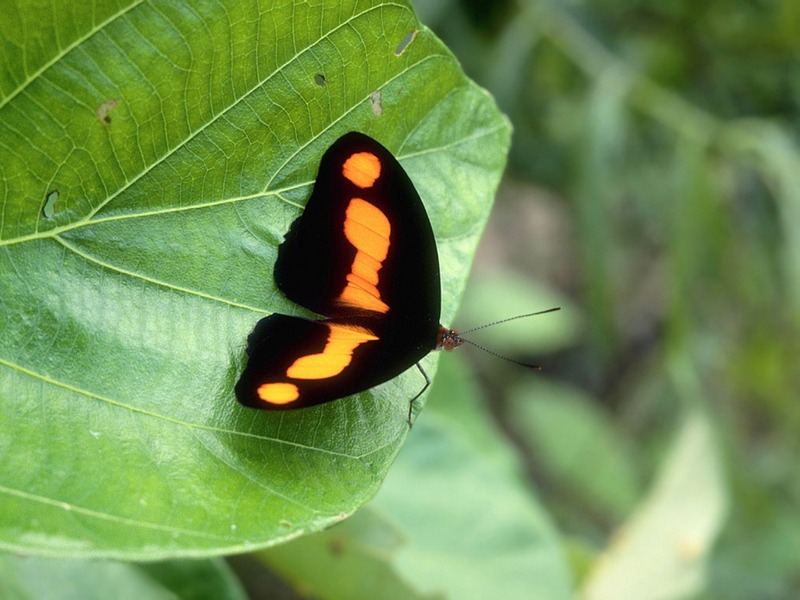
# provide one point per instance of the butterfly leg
(419, 393)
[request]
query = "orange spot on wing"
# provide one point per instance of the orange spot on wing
(368, 229)
(336, 355)
(362, 169)
(278, 393)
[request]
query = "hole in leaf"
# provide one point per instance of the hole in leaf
(49, 206)
(405, 42)
(103, 111)
(319, 79)
(375, 101)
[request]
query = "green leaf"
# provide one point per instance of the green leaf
(182, 140)
(576, 442)
(453, 519)
(24, 578)
(353, 560)
(662, 552)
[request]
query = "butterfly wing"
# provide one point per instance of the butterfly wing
(362, 196)
(362, 254)
(295, 362)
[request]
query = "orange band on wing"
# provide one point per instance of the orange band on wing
(362, 169)
(278, 393)
(368, 229)
(336, 355)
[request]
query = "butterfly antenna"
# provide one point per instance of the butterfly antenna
(498, 355)
(533, 314)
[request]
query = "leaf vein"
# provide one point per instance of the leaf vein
(106, 265)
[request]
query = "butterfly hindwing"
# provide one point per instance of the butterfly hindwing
(295, 362)
(363, 256)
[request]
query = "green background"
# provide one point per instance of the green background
(154, 155)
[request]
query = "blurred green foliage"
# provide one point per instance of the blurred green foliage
(655, 183)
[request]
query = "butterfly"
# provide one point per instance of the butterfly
(362, 256)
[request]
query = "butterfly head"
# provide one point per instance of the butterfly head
(448, 339)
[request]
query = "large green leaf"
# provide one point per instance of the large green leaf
(154, 154)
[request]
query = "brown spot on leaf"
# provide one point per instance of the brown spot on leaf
(103, 111)
(375, 101)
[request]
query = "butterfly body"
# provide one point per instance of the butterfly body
(363, 257)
